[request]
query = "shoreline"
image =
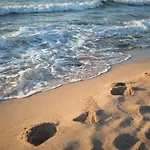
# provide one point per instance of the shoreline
(133, 56)
(61, 105)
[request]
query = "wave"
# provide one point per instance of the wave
(48, 8)
(26, 35)
(134, 2)
(134, 28)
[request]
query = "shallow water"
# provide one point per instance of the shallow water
(44, 44)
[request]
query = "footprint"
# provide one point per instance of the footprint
(73, 146)
(127, 122)
(97, 145)
(38, 134)
(145, 112)
(147, 134)
(142, 147)
(121, 99)
(125, 141)
(120, 88)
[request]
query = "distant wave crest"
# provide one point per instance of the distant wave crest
(49, 8)
(42, 8)
(134, 2)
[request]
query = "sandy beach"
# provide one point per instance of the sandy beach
(109, 112)
(74, 74)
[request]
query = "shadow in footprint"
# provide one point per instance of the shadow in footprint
(142, 147)
(121, 99)
(97, 145)
(127, 122)
(144, 109)
(119, 84)
(125, 141)
(147, 134)
(118, 90)
(145, 112)
(82, 118)
(73, 146)
(103, 116)
(140, 89)
(38, 134)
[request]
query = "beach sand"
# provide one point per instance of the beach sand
(109, 112)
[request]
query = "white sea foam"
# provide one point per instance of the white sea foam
(133, 28)
(43, 8)
(54, 55)
(134, 2)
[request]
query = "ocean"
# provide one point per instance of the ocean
(48, 43)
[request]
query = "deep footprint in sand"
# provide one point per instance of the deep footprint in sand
(147, 134)
(120, 88)
(97, 144)
(145, 112)
(40, 133)
(127, 122)
(125, 141)
(142, 147)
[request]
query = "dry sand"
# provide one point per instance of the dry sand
(109, 112)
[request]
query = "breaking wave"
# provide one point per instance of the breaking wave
(134, 2)
(48, 8)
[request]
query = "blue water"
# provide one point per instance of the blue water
(45, 44)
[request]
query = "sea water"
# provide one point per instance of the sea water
(47, 43)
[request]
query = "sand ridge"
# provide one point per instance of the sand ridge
(90, 116)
